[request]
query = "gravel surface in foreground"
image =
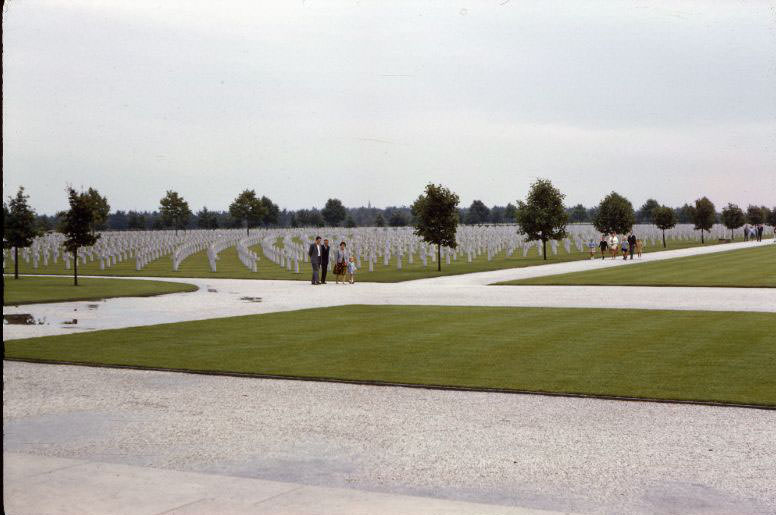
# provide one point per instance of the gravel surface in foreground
(543, 452)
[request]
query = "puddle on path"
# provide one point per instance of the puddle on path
(19, 319)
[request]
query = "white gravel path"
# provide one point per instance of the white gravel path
(585, 455)
(224, 297)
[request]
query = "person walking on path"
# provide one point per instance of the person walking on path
(315, 252)
(603, 246)
(591, 247)
(760, 230)
(324, 260)
(341, 263)
(624, 248)
(614, 243)
(746, 232)
(631, 244)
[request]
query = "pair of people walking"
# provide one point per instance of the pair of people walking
(344, 264)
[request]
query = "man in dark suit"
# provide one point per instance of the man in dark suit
(631, 244)
(315, 253)
(324, 260)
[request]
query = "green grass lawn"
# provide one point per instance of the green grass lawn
(746, 268)
(33, 290)
(229, 266)
(687, 355)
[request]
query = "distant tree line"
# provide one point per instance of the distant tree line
(249, 210)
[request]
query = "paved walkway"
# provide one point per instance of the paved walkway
(91, 440)
(227, 297)
(39, 485)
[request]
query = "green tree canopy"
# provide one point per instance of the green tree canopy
(704, 215)
(207, 219)
(542, 216)
(436, 218)
(379, 220)
(478, 213)
(577, 214)
(664, 218)
(755, 215)
(174, 211)
(271, 211)
(510, 213)
(77, 223)
(247, 209)
(136, 221)
(100, 207)
(772, 217)
(733, 217)
(614, 215)
(397, 219)
(644, 215)
(349, 222)
(333, 212)
(19, 225)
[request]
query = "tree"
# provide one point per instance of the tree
(77, 225)
(99, 206)
(542, 216)
(19, 227)
(271, 211)
(497, 214)
(436, 218)
(136, 221)
(397, 220)
(510, 213)
(577, 214)
(117, 221)
(644, 214)
(614, 215)
(664, 218)
(685, 214)
(333, 212)
(772, 217)
(207, 219)
(379, 220)
(704, 215)
(755, 215)
(349, 222)
(478, 213)
(247, 209)
(174, 211)
(733, 217)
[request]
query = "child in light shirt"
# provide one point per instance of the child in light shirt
(352, 270)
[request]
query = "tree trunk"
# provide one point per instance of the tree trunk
(75, 267)
(544, 249)
(702, 231)
(16, 263)
(439, 258)
(247, 230)
(664, 238)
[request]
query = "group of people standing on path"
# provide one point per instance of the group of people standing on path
(344, 264)
(630, 246)
(755, 232)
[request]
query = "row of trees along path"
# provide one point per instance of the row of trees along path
(540, 217)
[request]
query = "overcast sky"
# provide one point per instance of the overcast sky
(371, 100)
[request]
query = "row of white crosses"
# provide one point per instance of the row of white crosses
(370, 246)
